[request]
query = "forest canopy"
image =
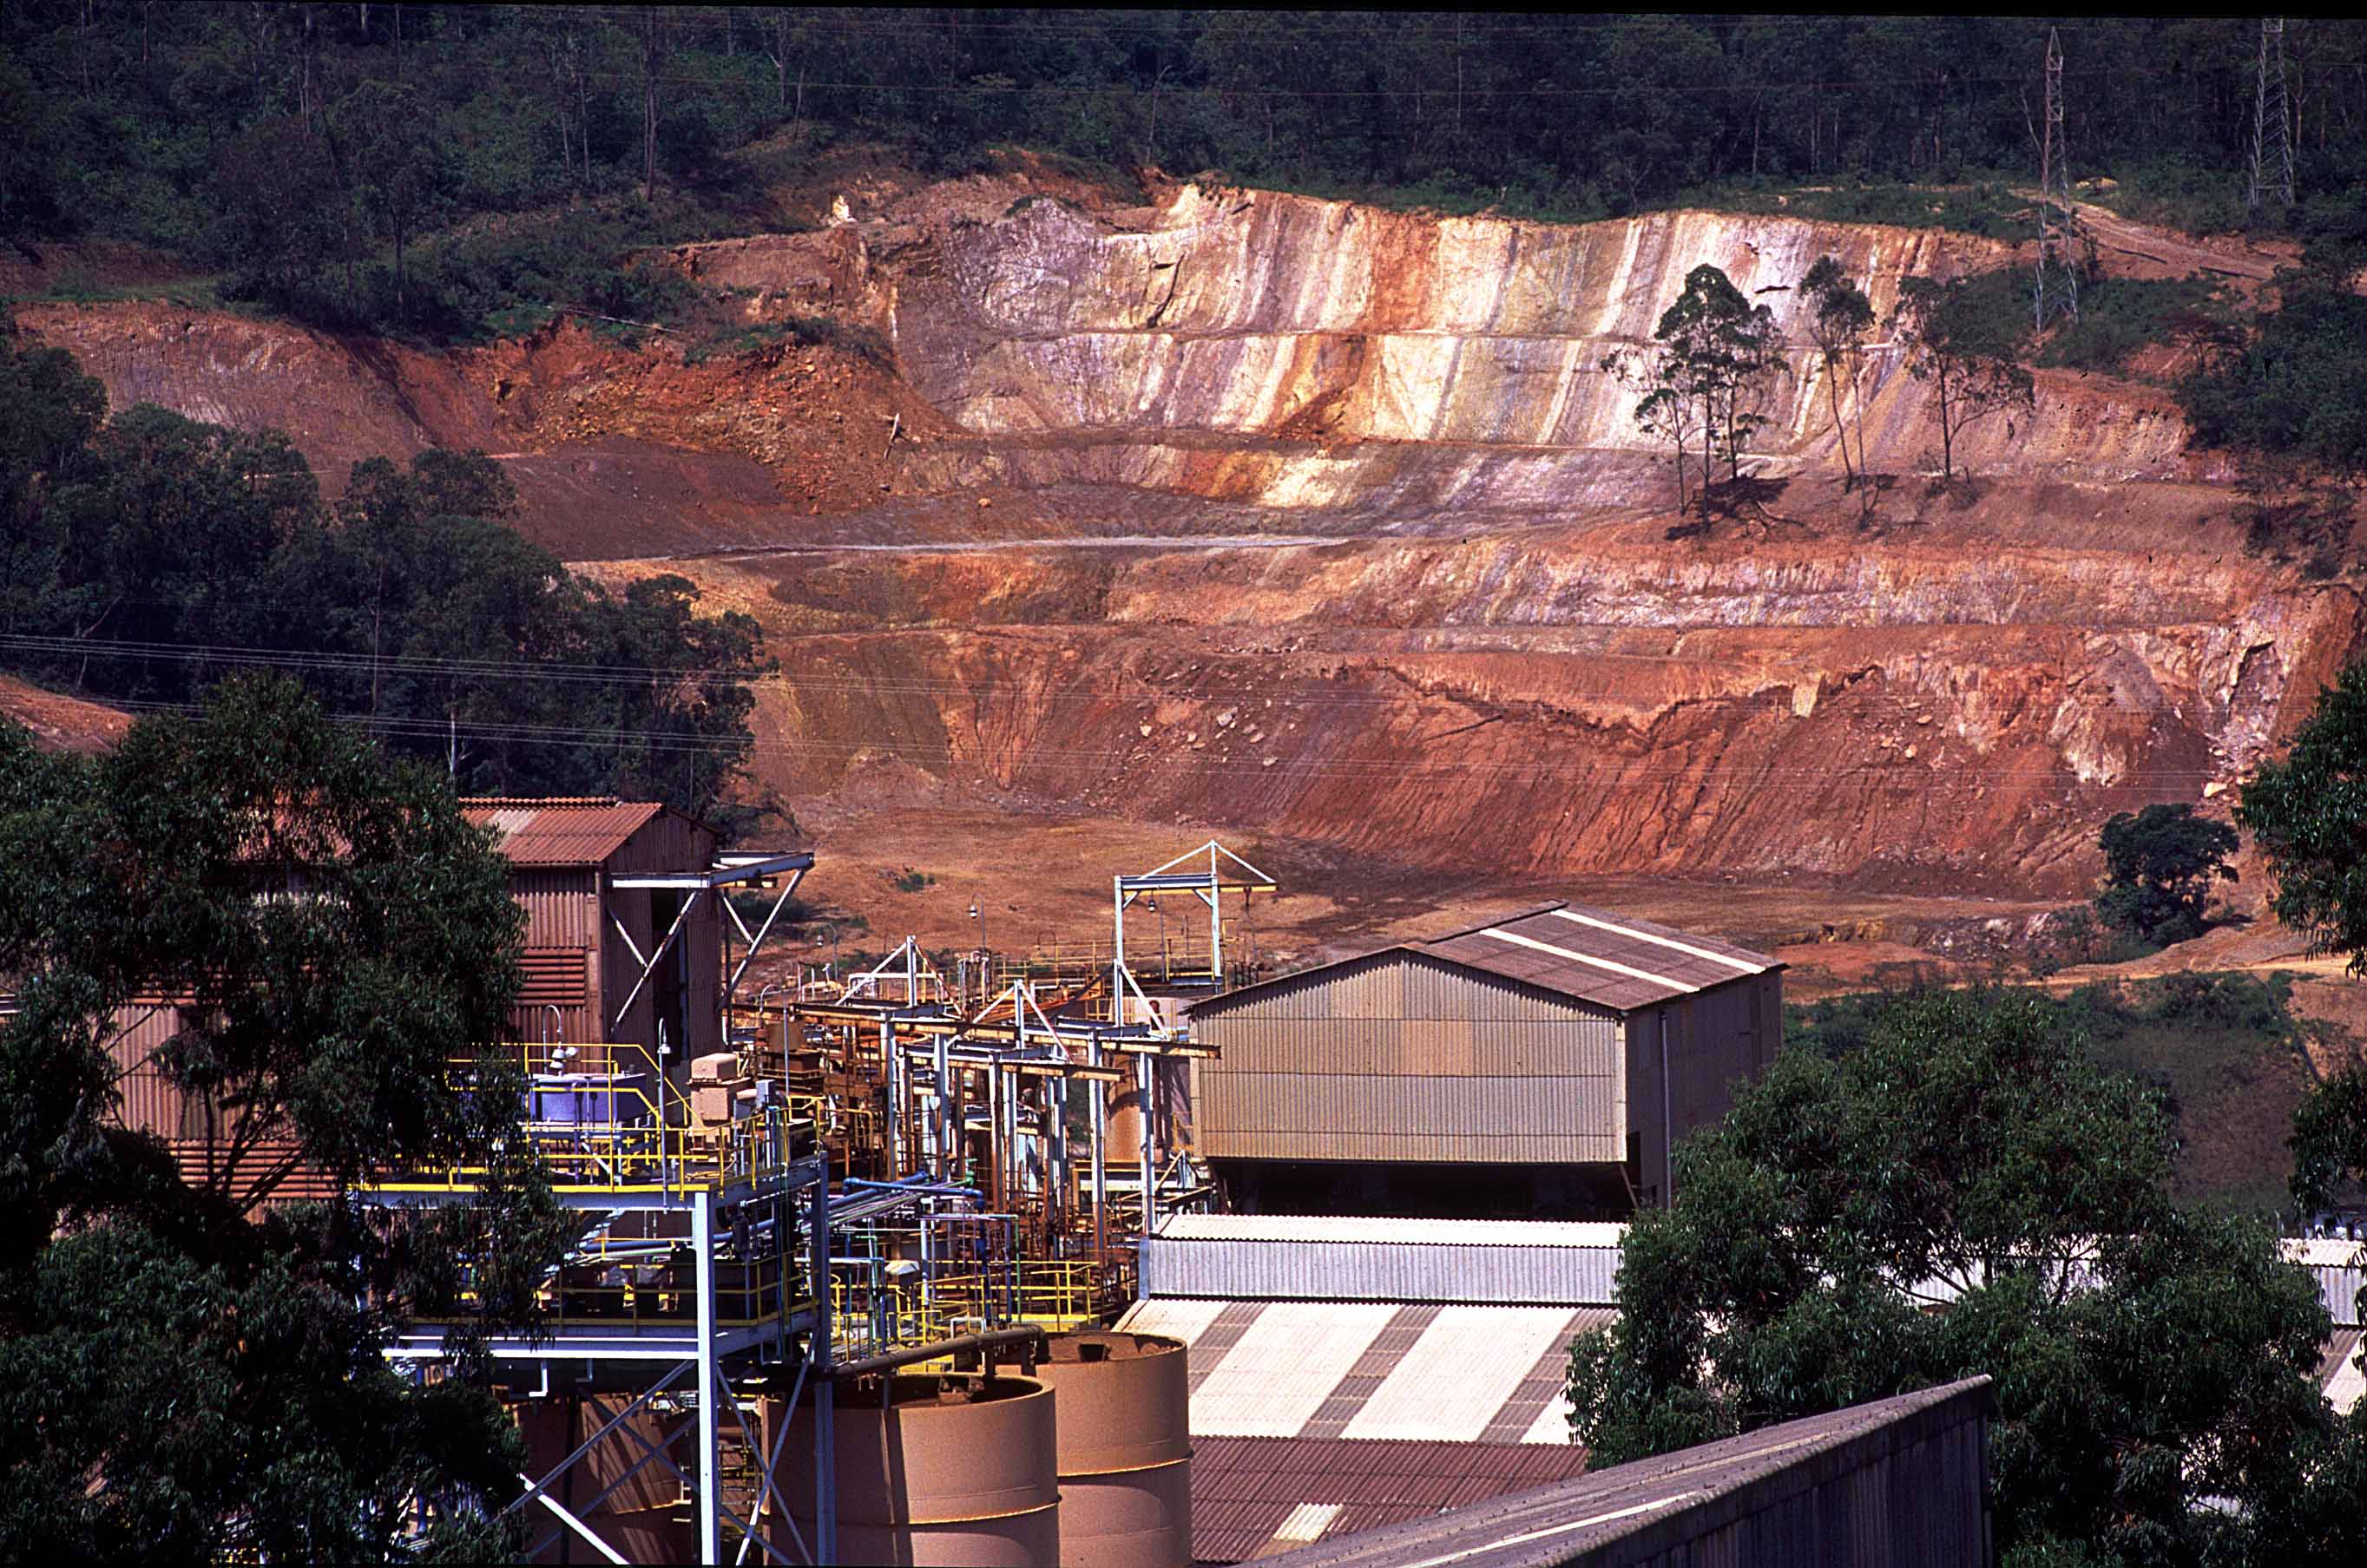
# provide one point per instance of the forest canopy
(379, 122)
(147, 556)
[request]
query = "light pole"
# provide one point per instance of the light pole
(1166, 965)
(978, 943)
(832, 972)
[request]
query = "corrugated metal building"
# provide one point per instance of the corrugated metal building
(1896, 1481)
(587, 939)
(585, 943)
(2340, 1267)
(1348, 1372)
(1353, 1257)
(1440, 1331)
(1568, 1037)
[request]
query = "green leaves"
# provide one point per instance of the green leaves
(1973, 370)
(184, 1376)
(1964, 1193)
(2308, 816)
(2160, 865)
(461, 643)
(1716, 353)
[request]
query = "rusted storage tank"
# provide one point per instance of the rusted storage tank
(935, 1471)
(1125, 1448)
(1122, 1143)
(645, 1518)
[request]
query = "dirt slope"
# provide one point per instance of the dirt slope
(1272, 514)
(61, 723)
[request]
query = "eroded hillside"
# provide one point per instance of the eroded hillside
(1274, 513)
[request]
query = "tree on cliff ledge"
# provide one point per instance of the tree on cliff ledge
(1840, 316)
(1969, 382)
(1716, 353)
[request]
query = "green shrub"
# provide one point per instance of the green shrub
(805, 332)
(2295, 384)
(2118, 316)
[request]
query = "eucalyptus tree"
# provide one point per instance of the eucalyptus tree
(1840, 317)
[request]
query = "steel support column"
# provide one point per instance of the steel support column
(1100, 1151)
(825, 1541)
(1147, 1081)
(711, 1497)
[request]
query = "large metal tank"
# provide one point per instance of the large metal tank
(934, 1471)
(1125, 1448)
(645, 1518)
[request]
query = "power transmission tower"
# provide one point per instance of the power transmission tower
(2058, 287)
(2272, 153)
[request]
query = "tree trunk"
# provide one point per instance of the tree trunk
(1840, 431)
(1947, 432)
(1857, 400)
(1709, 449)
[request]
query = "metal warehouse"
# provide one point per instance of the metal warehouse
(1543, 1064)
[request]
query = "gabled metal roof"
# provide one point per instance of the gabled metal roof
(569, 831)
(1566, 1521)
(1594, 955)
(1254, 1494)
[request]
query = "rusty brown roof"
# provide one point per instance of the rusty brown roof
(1534, 1525)
(1612, 960)
(562, 831)
(1249, 1493)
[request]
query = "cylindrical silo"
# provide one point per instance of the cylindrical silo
(934, 1471)
(646, 1519)
(1125, 1448)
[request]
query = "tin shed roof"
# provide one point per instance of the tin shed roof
(1612, 960)
(1564, 1521)
(576, 830)
(1254, 1494)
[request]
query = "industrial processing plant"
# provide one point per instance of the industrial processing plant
(1070, 1256)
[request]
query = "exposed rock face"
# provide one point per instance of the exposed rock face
(1572, 705)
(1266, 316)
(1290, 514)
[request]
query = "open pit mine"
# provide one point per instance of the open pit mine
(1258, 511)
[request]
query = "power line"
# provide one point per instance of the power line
(1873, 768)
(1135, 689)
(975, 88)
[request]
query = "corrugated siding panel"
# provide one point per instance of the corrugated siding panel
(1409, 1061)
(1378, 1271)
(1396, 1230)
(561, 909)
(2340, 1284)
(151, 1104)
(668, 843)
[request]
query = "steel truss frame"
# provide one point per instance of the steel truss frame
(707, 1355)
(726, 872)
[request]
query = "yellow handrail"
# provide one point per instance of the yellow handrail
(623, 1128)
